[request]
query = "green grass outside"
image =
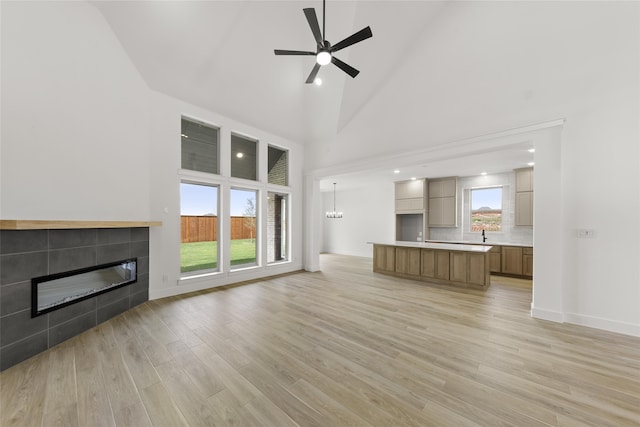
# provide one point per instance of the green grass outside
(203, 255)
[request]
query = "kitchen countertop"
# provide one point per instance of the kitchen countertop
(438, 245)
(488, 242)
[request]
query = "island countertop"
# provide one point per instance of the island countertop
(441, 246)
(488, 242)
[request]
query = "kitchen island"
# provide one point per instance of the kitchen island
(450, 264)
(505, 258)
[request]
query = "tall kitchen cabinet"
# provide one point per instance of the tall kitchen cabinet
(524, 196)
(442, 202)
(411, 210)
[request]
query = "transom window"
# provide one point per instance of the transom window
(199, 149)
(244, 157)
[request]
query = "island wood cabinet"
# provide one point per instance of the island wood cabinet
(524, 196)
(408, 261)
(446, 266)
(435, 264)
(442, 202)
(384, 258)
(468, 267)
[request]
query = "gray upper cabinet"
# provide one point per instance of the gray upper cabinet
(446, 187)
(524, 197)
(524, 180)
(443, 202)
(410, 196)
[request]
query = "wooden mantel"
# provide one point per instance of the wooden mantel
(25, 224)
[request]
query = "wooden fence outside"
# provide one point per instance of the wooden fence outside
(205, 228)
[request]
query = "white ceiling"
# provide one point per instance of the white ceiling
(502, 159)
(219, 55)
(434, 71)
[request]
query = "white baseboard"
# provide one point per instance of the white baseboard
(588, 321)
(312, 268)
(605, 324)
(553, 316)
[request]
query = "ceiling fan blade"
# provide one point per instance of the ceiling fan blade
(314, 73)
(345, 67)
(292, 52)
(310, 13)
(363, 34)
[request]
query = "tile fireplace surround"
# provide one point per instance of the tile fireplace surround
(38, 248)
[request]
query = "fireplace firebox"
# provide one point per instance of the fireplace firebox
(59, 290)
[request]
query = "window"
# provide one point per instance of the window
(243, 227)
(244, 157)
(278, 166)
(199, 150)
(199, 249)
(277, 227)
(486, 209)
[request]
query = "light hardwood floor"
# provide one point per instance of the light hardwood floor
(343, 347)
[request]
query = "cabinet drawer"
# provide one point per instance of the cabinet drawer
(527, 251)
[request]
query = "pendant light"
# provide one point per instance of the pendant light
(334, 213)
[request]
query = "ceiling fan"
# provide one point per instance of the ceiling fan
(324, 49)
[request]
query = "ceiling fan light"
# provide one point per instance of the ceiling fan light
(323, 57)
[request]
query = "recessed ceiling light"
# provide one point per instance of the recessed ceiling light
(318, 81)
(483, 173)
(396, 171)
(532, 150)
(184, 136)
(413, 178)
(530, 163)
(239, 155)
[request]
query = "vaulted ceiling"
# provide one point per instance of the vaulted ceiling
(219, 55)
(433, 72)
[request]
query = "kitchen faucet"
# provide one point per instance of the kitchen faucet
(484, 238)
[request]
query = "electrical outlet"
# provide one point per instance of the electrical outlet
(584, 233)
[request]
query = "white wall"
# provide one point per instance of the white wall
(601, 191)
(368, 217)
(74, 117)
(166, 113)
